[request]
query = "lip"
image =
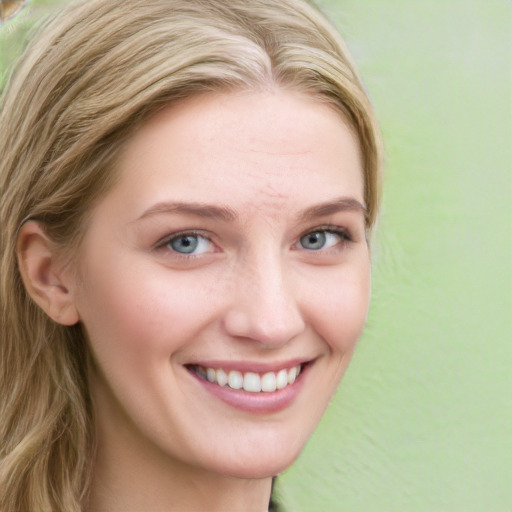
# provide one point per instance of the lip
(256, 403)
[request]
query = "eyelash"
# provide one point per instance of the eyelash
(327, 229)
(344, 235)
(165, 242)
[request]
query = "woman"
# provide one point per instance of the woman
(188, 190)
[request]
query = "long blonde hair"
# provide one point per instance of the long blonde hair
(84, 84)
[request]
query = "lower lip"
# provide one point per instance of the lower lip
(256, 403)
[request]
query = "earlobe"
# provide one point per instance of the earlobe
(43, 274)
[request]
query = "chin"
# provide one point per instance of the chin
(268, 467)
(257, 462)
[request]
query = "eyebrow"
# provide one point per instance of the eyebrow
(341, 204)
(197, 209)
(227, 214)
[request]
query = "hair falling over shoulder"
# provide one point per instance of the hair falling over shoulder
(89, 78)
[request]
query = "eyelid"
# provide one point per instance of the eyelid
(330, 228)
(343, 233)
(186, 232)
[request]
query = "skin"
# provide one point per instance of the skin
(253, 292)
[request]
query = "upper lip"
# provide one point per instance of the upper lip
(250, 366)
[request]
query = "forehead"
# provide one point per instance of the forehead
(258, 151)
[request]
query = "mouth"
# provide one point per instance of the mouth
(250, 381)
(256, 388)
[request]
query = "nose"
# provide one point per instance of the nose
(264, 306)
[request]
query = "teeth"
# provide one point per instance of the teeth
(282, 379)
(221, 377)
(268, 382)
(250, 381)
(292, 374)
(210, 374)
(235, 380)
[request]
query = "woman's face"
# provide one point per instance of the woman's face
(232, 248)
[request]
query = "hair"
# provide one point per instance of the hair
(85, 83)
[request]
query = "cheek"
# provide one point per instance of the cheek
(340, 306)
(142, 313)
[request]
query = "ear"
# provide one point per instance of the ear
(44, 275)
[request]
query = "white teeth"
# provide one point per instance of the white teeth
(282, 379)
(235, 379)
(268, 382)
(292, 374)
(210, 374)
(222, 377)
(251, 382)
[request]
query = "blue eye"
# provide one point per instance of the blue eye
(189, 243)
(321, 239)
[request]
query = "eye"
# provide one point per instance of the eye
(189, 243)
(322, 239)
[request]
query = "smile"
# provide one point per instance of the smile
(253, 382)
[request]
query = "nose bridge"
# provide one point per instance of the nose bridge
(265, 307)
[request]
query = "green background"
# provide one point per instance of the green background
(423, 419)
